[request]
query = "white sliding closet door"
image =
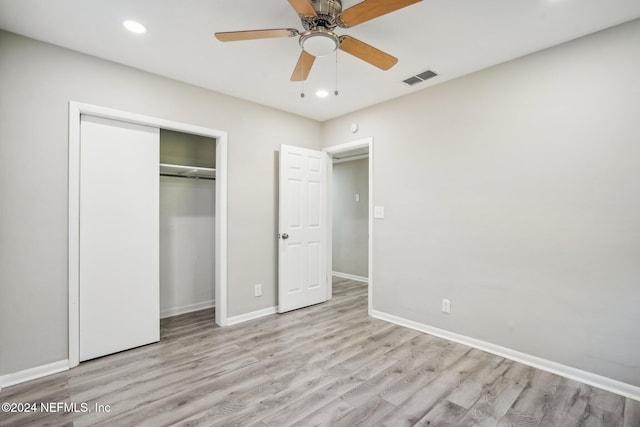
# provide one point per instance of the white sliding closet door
(119, 236)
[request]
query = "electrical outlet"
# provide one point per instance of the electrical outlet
(446, 306)
(257, 290)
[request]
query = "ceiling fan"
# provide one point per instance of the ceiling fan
(319, 18)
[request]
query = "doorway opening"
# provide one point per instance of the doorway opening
(187, 222)
(350, 206)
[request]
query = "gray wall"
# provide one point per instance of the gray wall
(350, 218)
(37, 81)
(515, 192)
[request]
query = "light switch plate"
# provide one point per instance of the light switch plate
(378, 212)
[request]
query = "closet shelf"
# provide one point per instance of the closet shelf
(183, 171)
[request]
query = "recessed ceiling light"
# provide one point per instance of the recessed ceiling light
(322, 93)
(135, 27)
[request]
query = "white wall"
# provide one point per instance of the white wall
(37, 81)
(187, 224)
(350, 217)
(515, 192)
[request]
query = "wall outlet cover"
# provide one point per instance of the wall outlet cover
(446, 306)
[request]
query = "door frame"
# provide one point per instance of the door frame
(341, 148)
(76, 109)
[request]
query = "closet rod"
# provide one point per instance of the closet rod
(187, 176)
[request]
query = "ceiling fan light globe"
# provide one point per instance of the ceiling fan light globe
(319, 43)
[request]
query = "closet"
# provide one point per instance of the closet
(187, 222)
(146, 231)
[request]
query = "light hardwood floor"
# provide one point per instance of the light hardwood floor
(326, 365)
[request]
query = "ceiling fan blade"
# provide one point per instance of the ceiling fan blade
(303, 7)
(367, 53)
(370, 9)
(232, 36)
(303, 67)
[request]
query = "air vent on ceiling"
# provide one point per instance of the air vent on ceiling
(420, 77)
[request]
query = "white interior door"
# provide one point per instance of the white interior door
(303, 228)
(119, 236)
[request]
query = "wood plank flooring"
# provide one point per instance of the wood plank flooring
(326, 365)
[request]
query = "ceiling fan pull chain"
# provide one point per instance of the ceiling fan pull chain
(335, 92)
(302, 83)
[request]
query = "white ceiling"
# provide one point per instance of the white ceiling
(451, 37)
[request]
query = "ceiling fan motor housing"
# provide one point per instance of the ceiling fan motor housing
(328, 12)
(319, 39)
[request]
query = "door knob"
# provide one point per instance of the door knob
(285, 236)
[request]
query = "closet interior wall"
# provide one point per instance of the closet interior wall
(187, 226)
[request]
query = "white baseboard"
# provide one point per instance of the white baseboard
(175, 311)
(251, 316)
(350, 276)
(614, 386)
(33, 373)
